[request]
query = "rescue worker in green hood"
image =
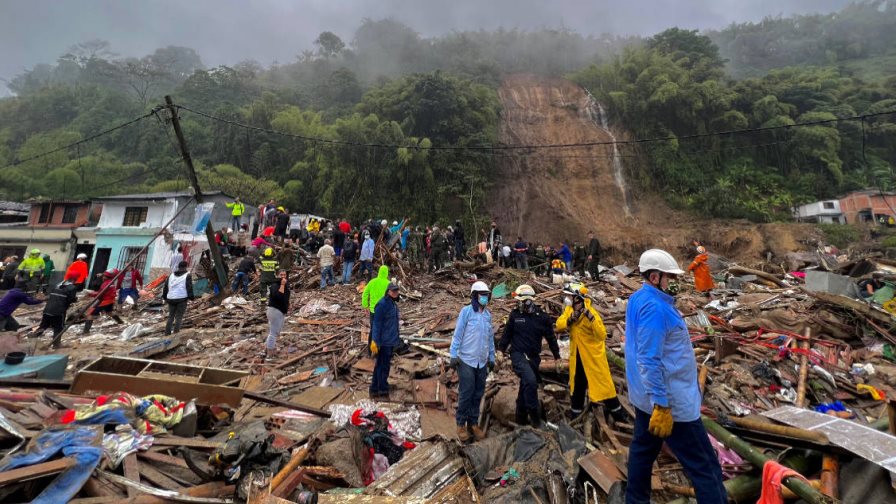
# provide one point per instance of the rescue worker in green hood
(373, 292)
(31, 270)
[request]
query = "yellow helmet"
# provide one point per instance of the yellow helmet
(576, 289)
(269, 252)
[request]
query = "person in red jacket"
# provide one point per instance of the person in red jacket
(129, 284)
(78, 270)
(105, 302)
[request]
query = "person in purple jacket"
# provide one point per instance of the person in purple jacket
(13, 299)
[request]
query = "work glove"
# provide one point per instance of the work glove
(661, 422)
(373, 348)
(454, 362)
(491, 366)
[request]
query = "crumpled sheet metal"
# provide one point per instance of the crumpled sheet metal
(9, 428)
(405, 420)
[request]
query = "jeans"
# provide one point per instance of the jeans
(471, 387)
(124, 293)
(176, 310)
(527, 371)
(235, 222)
(326, 276)
(690, 444)
(240, 278)
(366, 266)
(522, 262)
(275, 320)
(347, 271)
(380, 382)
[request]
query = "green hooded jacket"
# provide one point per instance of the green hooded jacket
(375, 289)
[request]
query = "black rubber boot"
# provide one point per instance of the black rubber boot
(535, 416)
(87, 326)
(521, 417)
(613, 408)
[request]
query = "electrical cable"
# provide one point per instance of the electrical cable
(535, 146)
(82, 141)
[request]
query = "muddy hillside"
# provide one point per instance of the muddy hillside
(549, 195)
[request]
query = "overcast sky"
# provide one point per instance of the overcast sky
(228, 31)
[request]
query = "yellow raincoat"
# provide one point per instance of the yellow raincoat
(587, 337)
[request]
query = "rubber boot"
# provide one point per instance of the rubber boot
(463, 434)
(613, 408)
(521, 416)
(535, 415)
(87, 326)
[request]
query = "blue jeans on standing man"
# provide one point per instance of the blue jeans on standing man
(326, 276)
(379, 385)
(235, 222)
(471, 387)
(241, 277)
(690, 444)
(347, 271)
(366, 266)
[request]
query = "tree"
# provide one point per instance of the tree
(329, 44)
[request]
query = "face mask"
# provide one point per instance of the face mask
(483, 300)
(528, 306)
(672, 288)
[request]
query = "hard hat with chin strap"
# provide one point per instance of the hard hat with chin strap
(659, 260)
(524, 292)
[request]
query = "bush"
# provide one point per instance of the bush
(889, 242)
(840, 235)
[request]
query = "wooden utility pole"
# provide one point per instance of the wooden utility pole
(218, 261)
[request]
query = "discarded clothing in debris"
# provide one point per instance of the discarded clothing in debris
(152, 414)
(79, 443)
(379, 440)
(404, 420)
(773, 474)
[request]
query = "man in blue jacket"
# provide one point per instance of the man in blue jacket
(384, 333)
(473, 356)
(662, 381)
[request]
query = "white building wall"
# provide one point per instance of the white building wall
(157, 213)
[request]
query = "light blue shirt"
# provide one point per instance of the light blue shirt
(367, 250)
(473, 341)
(659, 359)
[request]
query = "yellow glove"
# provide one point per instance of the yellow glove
(373, 348)
(661, 422)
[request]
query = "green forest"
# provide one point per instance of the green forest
(398, 94)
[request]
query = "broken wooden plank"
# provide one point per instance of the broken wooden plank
(131, 472)
(158, 478)
(318, 347)
(188, 442)
(165, 459)
(36, 471)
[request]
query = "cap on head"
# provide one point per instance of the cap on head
(659, 260)
(701, 249)
(35, 251)
(82, 256)
(524, 292)
(393, 286)
(110, 273)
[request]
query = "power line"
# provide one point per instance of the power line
(82, 141)
(636, 141)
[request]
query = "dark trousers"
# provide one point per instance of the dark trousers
(380, 382)
(577, 401)
(691, 447)
(527, 370)
(8, 323)
(471, 387)
(176, 310)
(366, 269)
(264, 286)
(54, 322)
(123, 293)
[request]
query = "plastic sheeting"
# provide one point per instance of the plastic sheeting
(403, 420)
(123, 441)
(80, 443)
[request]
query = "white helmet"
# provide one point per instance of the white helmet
(384, 222)
(82, 255)
(524, 292)
(479, 286)
(660, 260)
(395, 223)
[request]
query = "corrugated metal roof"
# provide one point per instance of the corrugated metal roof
(422, 472)
(158, 195)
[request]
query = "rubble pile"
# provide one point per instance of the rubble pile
(794, 364)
